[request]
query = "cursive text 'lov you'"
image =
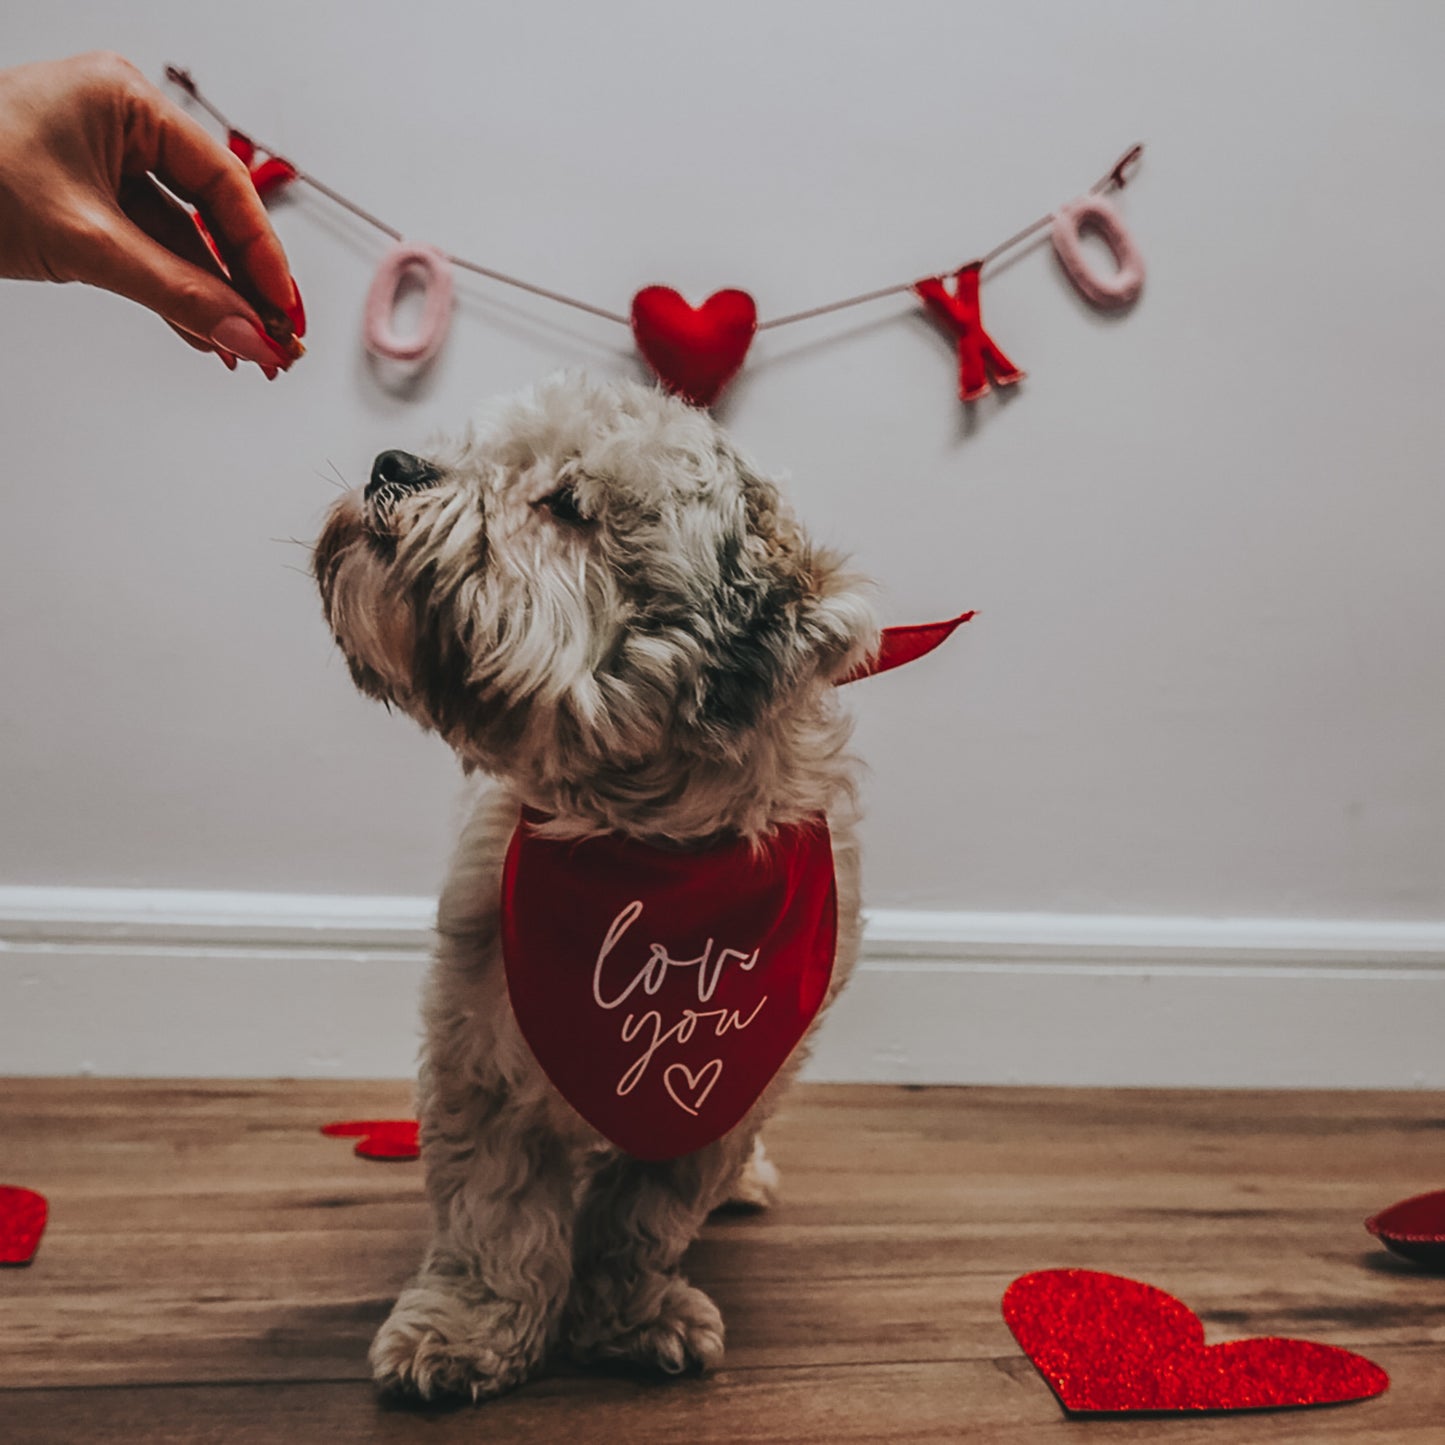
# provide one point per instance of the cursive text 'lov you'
(612, 986)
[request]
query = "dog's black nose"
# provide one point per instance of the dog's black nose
(401, 472)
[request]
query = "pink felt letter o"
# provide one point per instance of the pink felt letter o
(436, 278)
(1124, 285)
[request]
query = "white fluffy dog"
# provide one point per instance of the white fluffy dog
(594, 599)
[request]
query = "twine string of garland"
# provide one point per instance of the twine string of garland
(1115, 178)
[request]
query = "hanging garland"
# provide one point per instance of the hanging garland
(696, 350)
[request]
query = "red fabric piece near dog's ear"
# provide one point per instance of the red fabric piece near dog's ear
(23, 1213)
(905, 644)
(695, 351)
(270, 175)
(1414, 1228)
(661, 990)
(378, 1138)
(977, 351)
(1111, 1345)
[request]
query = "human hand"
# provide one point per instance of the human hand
(80, 142)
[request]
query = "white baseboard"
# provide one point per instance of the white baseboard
(122, 982)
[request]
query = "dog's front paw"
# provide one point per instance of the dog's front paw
(757, 1184)
(687, 1334)
(435, 1344)
(683, 1331)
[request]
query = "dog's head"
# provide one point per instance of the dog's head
(595, 597)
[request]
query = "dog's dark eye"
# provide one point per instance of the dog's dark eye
(563, 505)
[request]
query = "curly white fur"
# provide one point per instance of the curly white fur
(596, 600)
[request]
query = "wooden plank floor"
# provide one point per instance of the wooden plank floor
(214, 1268)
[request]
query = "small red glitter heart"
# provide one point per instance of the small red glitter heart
(378, 1138)
(1414, 1228)
(695, 350)
(23, 1213)
(1109, 1344)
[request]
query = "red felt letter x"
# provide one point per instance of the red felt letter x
(958, 309)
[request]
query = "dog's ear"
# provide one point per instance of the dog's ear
(828, 608)
(789, 615)
(840, 629)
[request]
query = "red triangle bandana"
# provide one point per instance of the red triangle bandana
(660, 991)
(901, 645)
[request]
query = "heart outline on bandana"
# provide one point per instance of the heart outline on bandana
(716, 1065)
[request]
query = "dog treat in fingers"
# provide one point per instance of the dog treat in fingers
(281, 331)
(277, 325)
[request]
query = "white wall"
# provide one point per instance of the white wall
(1204, 539)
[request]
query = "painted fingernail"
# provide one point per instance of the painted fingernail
(296, 311)
(270, 372)
(245, 339)
(228, 359)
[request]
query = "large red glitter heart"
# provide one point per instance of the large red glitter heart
(1110, 1344)
(378, 1138)
(695, 351)
(1414, 1228)
(23, 1213)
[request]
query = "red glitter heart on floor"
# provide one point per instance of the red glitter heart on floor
(1108, 1344)
(378, 1138)
(1414, 1228)
(695, 350)
(23, 1213)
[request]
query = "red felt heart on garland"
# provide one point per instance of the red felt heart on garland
(378, 1138)
(695, 350)
(1105, 1343)
(1414, 1228)
(23, 1213)
(270, 175)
